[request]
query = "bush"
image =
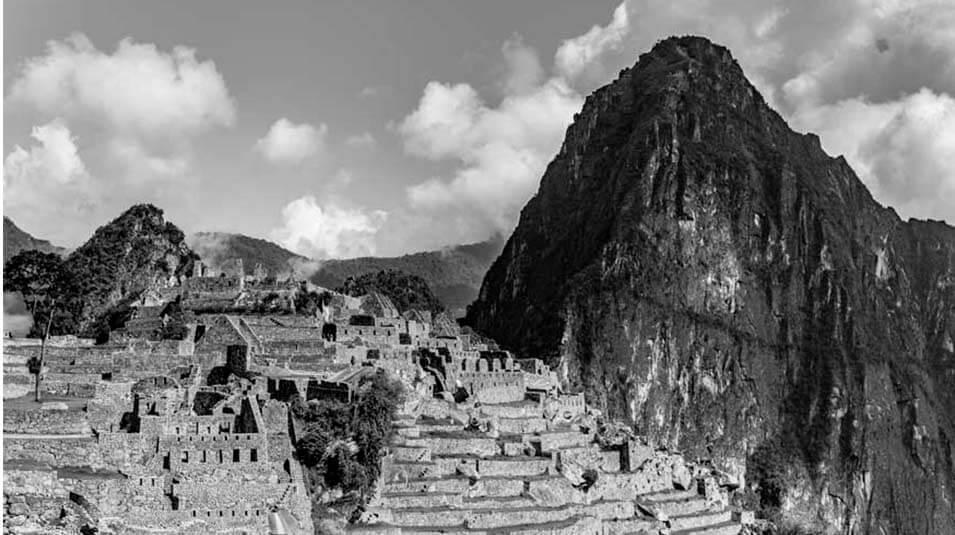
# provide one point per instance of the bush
(342, 443)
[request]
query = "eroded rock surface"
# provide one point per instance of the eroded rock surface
(719, 280)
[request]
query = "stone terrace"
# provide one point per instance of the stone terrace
(524, 475)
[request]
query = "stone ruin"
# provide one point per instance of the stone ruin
(194, 436)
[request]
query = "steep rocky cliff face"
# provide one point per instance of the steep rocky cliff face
(126, 256)
(702, 270)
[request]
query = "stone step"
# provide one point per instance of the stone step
(405, 470)
(407, 500)
(433, 485)
(496, 517)
(667, 495)
(415, 454)
(408, 432)
(521, 425)
(485, 486)
(513, 410)
(723, 528)
(440, 427)
(455, 444)
(700, 520)
(550, 441)
(631, 526)
(677, 507)
(575, 525)
(515, 466)
(491, 502)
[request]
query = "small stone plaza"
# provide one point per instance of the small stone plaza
(148, 435)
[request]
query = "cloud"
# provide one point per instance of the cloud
(902, 149)
(500, 151)
(363, 141)
(523, 68)
(328, 231)
(137, 90)
(55, 160)
(134, 114)
(290, 143)
(47, 184)
(577, 56)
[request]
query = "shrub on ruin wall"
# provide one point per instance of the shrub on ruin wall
(342, 443)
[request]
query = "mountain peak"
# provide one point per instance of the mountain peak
(696, 266)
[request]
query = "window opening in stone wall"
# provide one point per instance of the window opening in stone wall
(235, 456)
(254, 455)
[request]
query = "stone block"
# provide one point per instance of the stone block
(412, 454)
(633, 455)
(682, 478)
(515, 466)
(746, 518)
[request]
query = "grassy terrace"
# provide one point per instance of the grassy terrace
(27, 403)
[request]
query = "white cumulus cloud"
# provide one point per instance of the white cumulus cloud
(290, 143)
(137, 90)
(47, 184)
(328, 231)
(138, 110)
(500, 151)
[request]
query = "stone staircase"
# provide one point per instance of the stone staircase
(443, 478)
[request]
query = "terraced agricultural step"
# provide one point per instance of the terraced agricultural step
(667, 495)
(497, 517)
(408, 432)
(408, 470)
(439, 484)
(677, 507)
(631, 526)
(575, 525)
(699, 520)
(460, 443)
(440, 426)
(515, 466)
(415, 454)
(550, 441)
(404, 500)
(723, 528)
(491, 502)
(513, 410)
(521, 425)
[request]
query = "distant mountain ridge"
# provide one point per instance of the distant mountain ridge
(454, 273)
(216, 248)
(17, 240)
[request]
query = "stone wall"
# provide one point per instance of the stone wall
(45, 421)
(493, 386)
(54, 451)
(110, 401)
(32, 498)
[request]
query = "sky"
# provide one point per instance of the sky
(352, 128)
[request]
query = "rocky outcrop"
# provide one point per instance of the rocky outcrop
(717, 279)
(126, 256)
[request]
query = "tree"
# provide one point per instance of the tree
(406, 291)
(42, 280)
(342, 443)
(35, 364)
